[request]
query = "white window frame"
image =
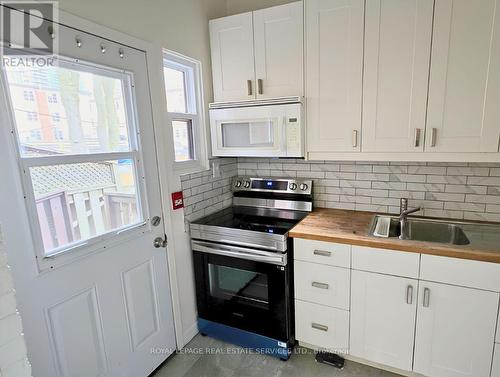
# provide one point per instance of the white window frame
(195, 107)
(101, 241)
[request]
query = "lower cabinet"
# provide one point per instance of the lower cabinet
(383, 312)
(455, 331)
(495, 370)
(435, 316)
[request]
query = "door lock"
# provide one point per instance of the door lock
(160, 242)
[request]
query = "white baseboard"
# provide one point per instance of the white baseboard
(189, 334)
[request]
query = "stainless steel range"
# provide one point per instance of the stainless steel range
(242, 260)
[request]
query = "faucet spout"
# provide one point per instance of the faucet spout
(404, 212)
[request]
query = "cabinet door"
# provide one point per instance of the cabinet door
(495, 370)
(455, 331)
(383, 310)
(396, 70)
(334, 60)
(279, 55)
(231, 41)
(464, 87)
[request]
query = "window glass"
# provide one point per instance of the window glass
(75, 202)
(183, 140)
(88, 109)
(176, 90)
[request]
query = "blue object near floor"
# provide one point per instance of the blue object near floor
(258, 343)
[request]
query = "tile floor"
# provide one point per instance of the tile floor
(207, 357)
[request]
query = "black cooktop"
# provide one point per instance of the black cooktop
(255, 219)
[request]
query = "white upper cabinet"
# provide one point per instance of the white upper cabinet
(396, 68)
(455, 330)
(334, 70)
(278, 41)
(464, 91)
(231, 40)
(383, 312)
(258, 54)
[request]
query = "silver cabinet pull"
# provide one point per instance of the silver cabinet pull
(317, 326)
(260, 87)
(409, 294)
(427, 297)
(418, 132)
(323, 253)
(354, 138)
(249, 87)
(433, 137)
(319, 285)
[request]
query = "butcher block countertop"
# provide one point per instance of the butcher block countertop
(352, 227)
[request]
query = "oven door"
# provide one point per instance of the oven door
(250, 292)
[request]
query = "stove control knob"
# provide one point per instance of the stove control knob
(247, 184)
(293, 186)
(237, 184)
(304, 186)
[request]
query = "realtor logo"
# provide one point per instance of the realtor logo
(27, 30)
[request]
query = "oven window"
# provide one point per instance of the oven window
(236, 285)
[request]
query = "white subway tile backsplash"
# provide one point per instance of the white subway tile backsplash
(457, 190)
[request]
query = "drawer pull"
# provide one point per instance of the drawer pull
(323, 253)
(317, 326)
(317, 284)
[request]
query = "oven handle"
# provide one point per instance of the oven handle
(240, 252)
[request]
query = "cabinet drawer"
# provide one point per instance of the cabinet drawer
(333, 254)
(467, 273)
(322, 326)
(321, 284)
(390, 262)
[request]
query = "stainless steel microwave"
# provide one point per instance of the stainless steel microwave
(258, 129)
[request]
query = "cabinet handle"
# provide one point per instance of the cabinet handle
(427, 297)
(323, 253)
(249, 87)
(260, 87)
(354, 138)
(409, 294)
(418, 132)
(319, 285)
(433, 137)
(317, 326)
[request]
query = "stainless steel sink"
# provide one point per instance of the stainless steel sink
(420, 229)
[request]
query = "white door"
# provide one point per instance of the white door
(233, 70)
(383, 311)
(334, 71)
(279, 54)
(464, 85)
(79, 187)
(396, 70)
(455, 331)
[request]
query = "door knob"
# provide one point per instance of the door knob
(160, 242)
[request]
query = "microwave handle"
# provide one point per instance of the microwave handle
(240, 252)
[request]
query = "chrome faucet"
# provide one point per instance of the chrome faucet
(403, 214)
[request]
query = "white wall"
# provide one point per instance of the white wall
(240, 6)
(13, 360)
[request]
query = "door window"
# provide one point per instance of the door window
(78, 151)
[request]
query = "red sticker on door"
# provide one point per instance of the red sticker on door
(177, 200)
